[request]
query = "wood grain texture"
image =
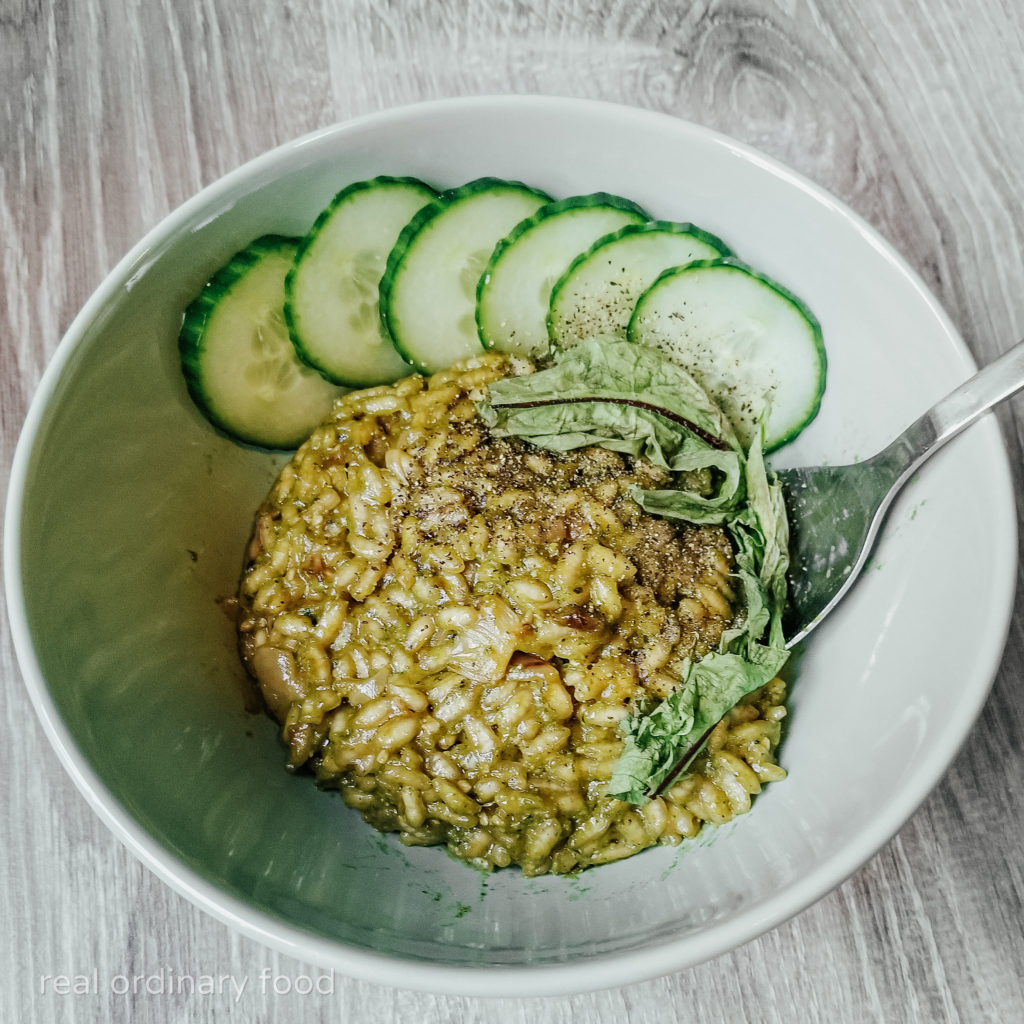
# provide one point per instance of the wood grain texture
(113, 112)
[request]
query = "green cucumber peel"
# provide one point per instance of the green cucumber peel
(501, 326)
(579, 309)
(745, 409)
(419, 223)
(302, 349)
(215, 372)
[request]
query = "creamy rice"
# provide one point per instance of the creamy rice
(450, 627)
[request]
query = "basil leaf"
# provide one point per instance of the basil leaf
(618, 371)
(629, 399)
(632, 399)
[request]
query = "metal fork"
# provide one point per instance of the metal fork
(836, 512)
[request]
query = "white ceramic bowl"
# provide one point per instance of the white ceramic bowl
(127, 518)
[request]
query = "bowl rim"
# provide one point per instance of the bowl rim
(599, 971)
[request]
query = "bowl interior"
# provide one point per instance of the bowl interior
(129, 516)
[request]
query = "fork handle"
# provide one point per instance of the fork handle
(991, 385)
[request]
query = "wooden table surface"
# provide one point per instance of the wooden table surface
(912, 111)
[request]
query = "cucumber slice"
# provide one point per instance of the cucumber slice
(331, 292)
(745, 338)
(598, 293)
(515, 289)
(428, 292)
(238, 361)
